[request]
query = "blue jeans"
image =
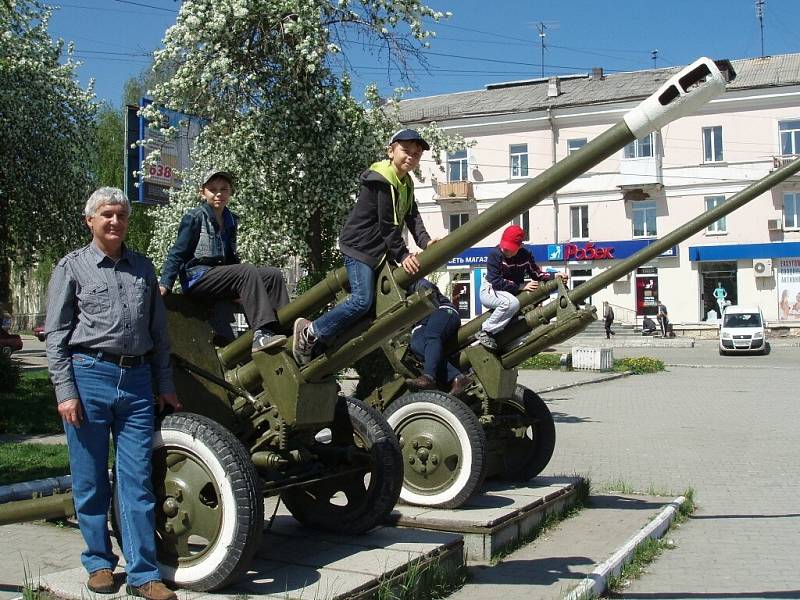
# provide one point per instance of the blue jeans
(362, 294)
(117, 401)
(428, 340)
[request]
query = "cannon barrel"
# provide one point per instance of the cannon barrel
(537, 317)
(681, 95)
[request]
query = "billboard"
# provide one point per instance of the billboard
(175, 153)
(788, 284)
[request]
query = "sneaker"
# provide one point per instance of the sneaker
(102, 582)
(486, 339)
(423, 382)
(264, 339)
(460, 384)
(303, 344)
(152, 590)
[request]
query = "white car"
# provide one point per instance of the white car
(742, 330)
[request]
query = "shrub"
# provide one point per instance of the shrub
(9, 374)
(544, 360)
(639, 365)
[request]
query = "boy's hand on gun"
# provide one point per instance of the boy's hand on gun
(530, 286)
(410, 264)
(563, 276)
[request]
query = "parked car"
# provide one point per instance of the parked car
(742, 330)
(38, 331)
(9, 342)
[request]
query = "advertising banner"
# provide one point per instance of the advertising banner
(788, 285)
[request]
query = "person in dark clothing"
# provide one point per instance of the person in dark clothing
(506, 268)
(608, 319)
(373, 231)
(204, 257)
(648, 326)
(663, 320)
(428, 339)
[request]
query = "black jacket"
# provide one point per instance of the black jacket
(370, 232)
(508, 274)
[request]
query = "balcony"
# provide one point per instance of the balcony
(640, 172)
(782, 160)
(453, 191)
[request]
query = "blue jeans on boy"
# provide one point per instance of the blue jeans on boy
(428, 340)
(343, 315)
(119, 401)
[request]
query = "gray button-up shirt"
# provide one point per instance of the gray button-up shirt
(100, 304)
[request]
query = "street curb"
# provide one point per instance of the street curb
(602, 378)
(596, 582)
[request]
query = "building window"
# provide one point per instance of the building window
(579, 222)
(644, 218)
(712, 144)
(457, 220)
(575, 145)
(716, 226)
(791, 205)
(457, 166)
(790, 137)
(524, 221)
(518, 157)
(642, 148)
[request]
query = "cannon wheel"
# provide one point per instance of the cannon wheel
(355, 502)
(209, 504)
(444, 448)
(528, 452)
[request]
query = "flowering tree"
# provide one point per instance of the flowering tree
(266, 74)
(46, 122)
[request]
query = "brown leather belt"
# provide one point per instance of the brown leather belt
(125, 361)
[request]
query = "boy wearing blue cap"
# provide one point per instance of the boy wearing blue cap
(373, 231)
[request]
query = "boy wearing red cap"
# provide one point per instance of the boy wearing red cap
(506, 267)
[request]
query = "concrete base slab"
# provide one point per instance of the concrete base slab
(500, 516)
(297, 562)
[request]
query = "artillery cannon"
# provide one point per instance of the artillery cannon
(257, 425)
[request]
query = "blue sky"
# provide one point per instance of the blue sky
(483, 42)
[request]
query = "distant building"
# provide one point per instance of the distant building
(650, 188)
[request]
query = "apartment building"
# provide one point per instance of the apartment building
(652, 186)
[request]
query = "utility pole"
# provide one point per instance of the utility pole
(541, 27)
(654, 56)
(760, 17)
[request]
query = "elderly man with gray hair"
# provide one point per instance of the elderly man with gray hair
(106, 344)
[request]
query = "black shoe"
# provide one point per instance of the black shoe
(303, 342)
(423, 382)
(264, 339)
(460, 384)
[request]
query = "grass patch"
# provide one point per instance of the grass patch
(639, 365)
(432, 581)
(543, 360)
(25, 462)
(31, 408)
(550, 520)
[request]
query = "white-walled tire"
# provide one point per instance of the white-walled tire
(444, 448)
(209, 504)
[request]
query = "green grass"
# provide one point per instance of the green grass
(543, 360)
(31, 408)
(431, 581)
(639, 365)
(25, 462)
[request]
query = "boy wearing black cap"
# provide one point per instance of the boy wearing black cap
(507, 265)
(372, 232)
(204, 257)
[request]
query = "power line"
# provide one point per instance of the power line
(169, 10)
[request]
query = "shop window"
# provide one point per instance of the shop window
(712, 144)
(524, 221)
(644, 218)
(578, 277)
(790, 137)
(460, 294)
(716, 276)
(457, 166)
(646, 291)
(457, 220)
(791, 205)
(518, 158)
(642, 148)
(579, 222)
(716, 226)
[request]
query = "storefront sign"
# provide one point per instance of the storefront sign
(788, 286)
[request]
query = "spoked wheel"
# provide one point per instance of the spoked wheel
(444, 448)
(209, 505)
(532, 443)
(362, 498)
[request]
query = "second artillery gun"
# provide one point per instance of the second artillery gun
(257, 425)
